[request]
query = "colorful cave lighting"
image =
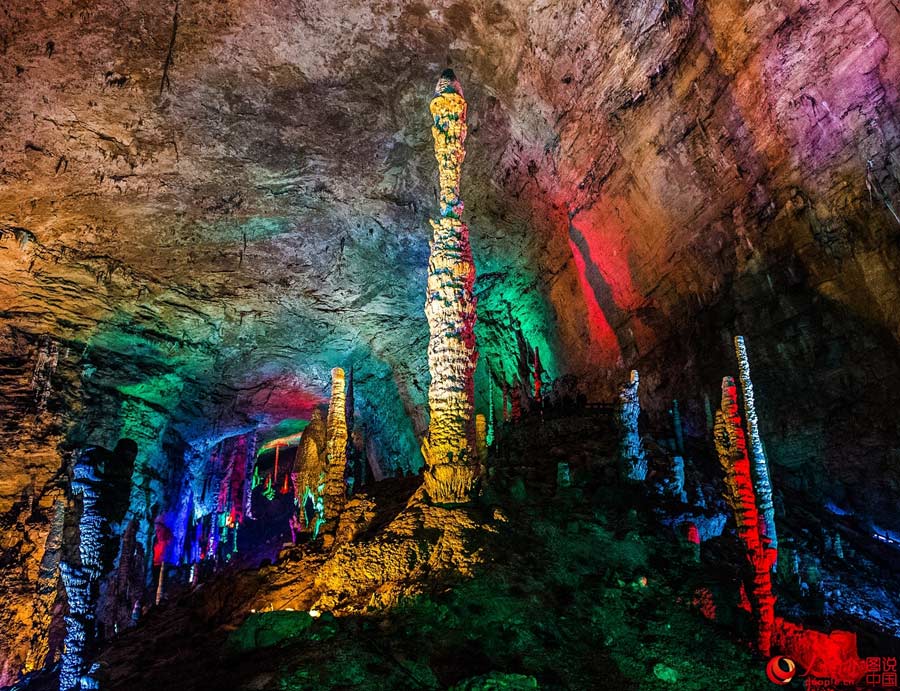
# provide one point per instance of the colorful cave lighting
(633, 463)
(278, 410)
(761, 482)
(731, 446)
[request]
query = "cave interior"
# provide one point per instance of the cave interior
(468, 345)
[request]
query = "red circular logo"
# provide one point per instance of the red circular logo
(781, 670)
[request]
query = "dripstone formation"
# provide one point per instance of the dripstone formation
(450, 452)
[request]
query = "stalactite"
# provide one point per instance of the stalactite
(760, 466)
(350, 402)
(449, 446)
(632, 461)
(707, 409)
(731, 445)
(481, 437)
(538, 372)
(336, 451)
(251, 475)
(275, 470)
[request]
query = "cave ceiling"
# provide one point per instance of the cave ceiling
(205, 206)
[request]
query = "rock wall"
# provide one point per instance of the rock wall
(202, 213)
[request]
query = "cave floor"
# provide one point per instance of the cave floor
(581, 587)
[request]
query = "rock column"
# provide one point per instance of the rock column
(760, 465)
(336, 451)
(80, 575)
(451, 460)
(632, 461)
(731, 445)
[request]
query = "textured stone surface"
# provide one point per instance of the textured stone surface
(450, 447)
(632, 460)
(197, 225)
(336, 451)
(740, 493)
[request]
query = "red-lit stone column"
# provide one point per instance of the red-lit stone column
(731, 445)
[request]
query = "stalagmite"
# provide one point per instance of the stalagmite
(632, 461)
(757, 453)
(336, 451)
(79, 576)
(309, 473)
(251, 475)
(481, 437)
(505, 402)
(679, 432)
(161, 583)
(449, 447)
(489, 436)
(731, 445)
(515, 393)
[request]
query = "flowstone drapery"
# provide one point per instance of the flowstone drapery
(452, 466)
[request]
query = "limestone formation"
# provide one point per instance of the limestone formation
(336, 451)
(481, 438)
(632, 461)
(760, 464)
(249, 473)
(679, 431)
(731, 445)
(449, 451)
(489, 437)
(309, 473)
(80, 573)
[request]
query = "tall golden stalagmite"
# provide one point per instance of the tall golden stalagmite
(335, 451)
(451, 459)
